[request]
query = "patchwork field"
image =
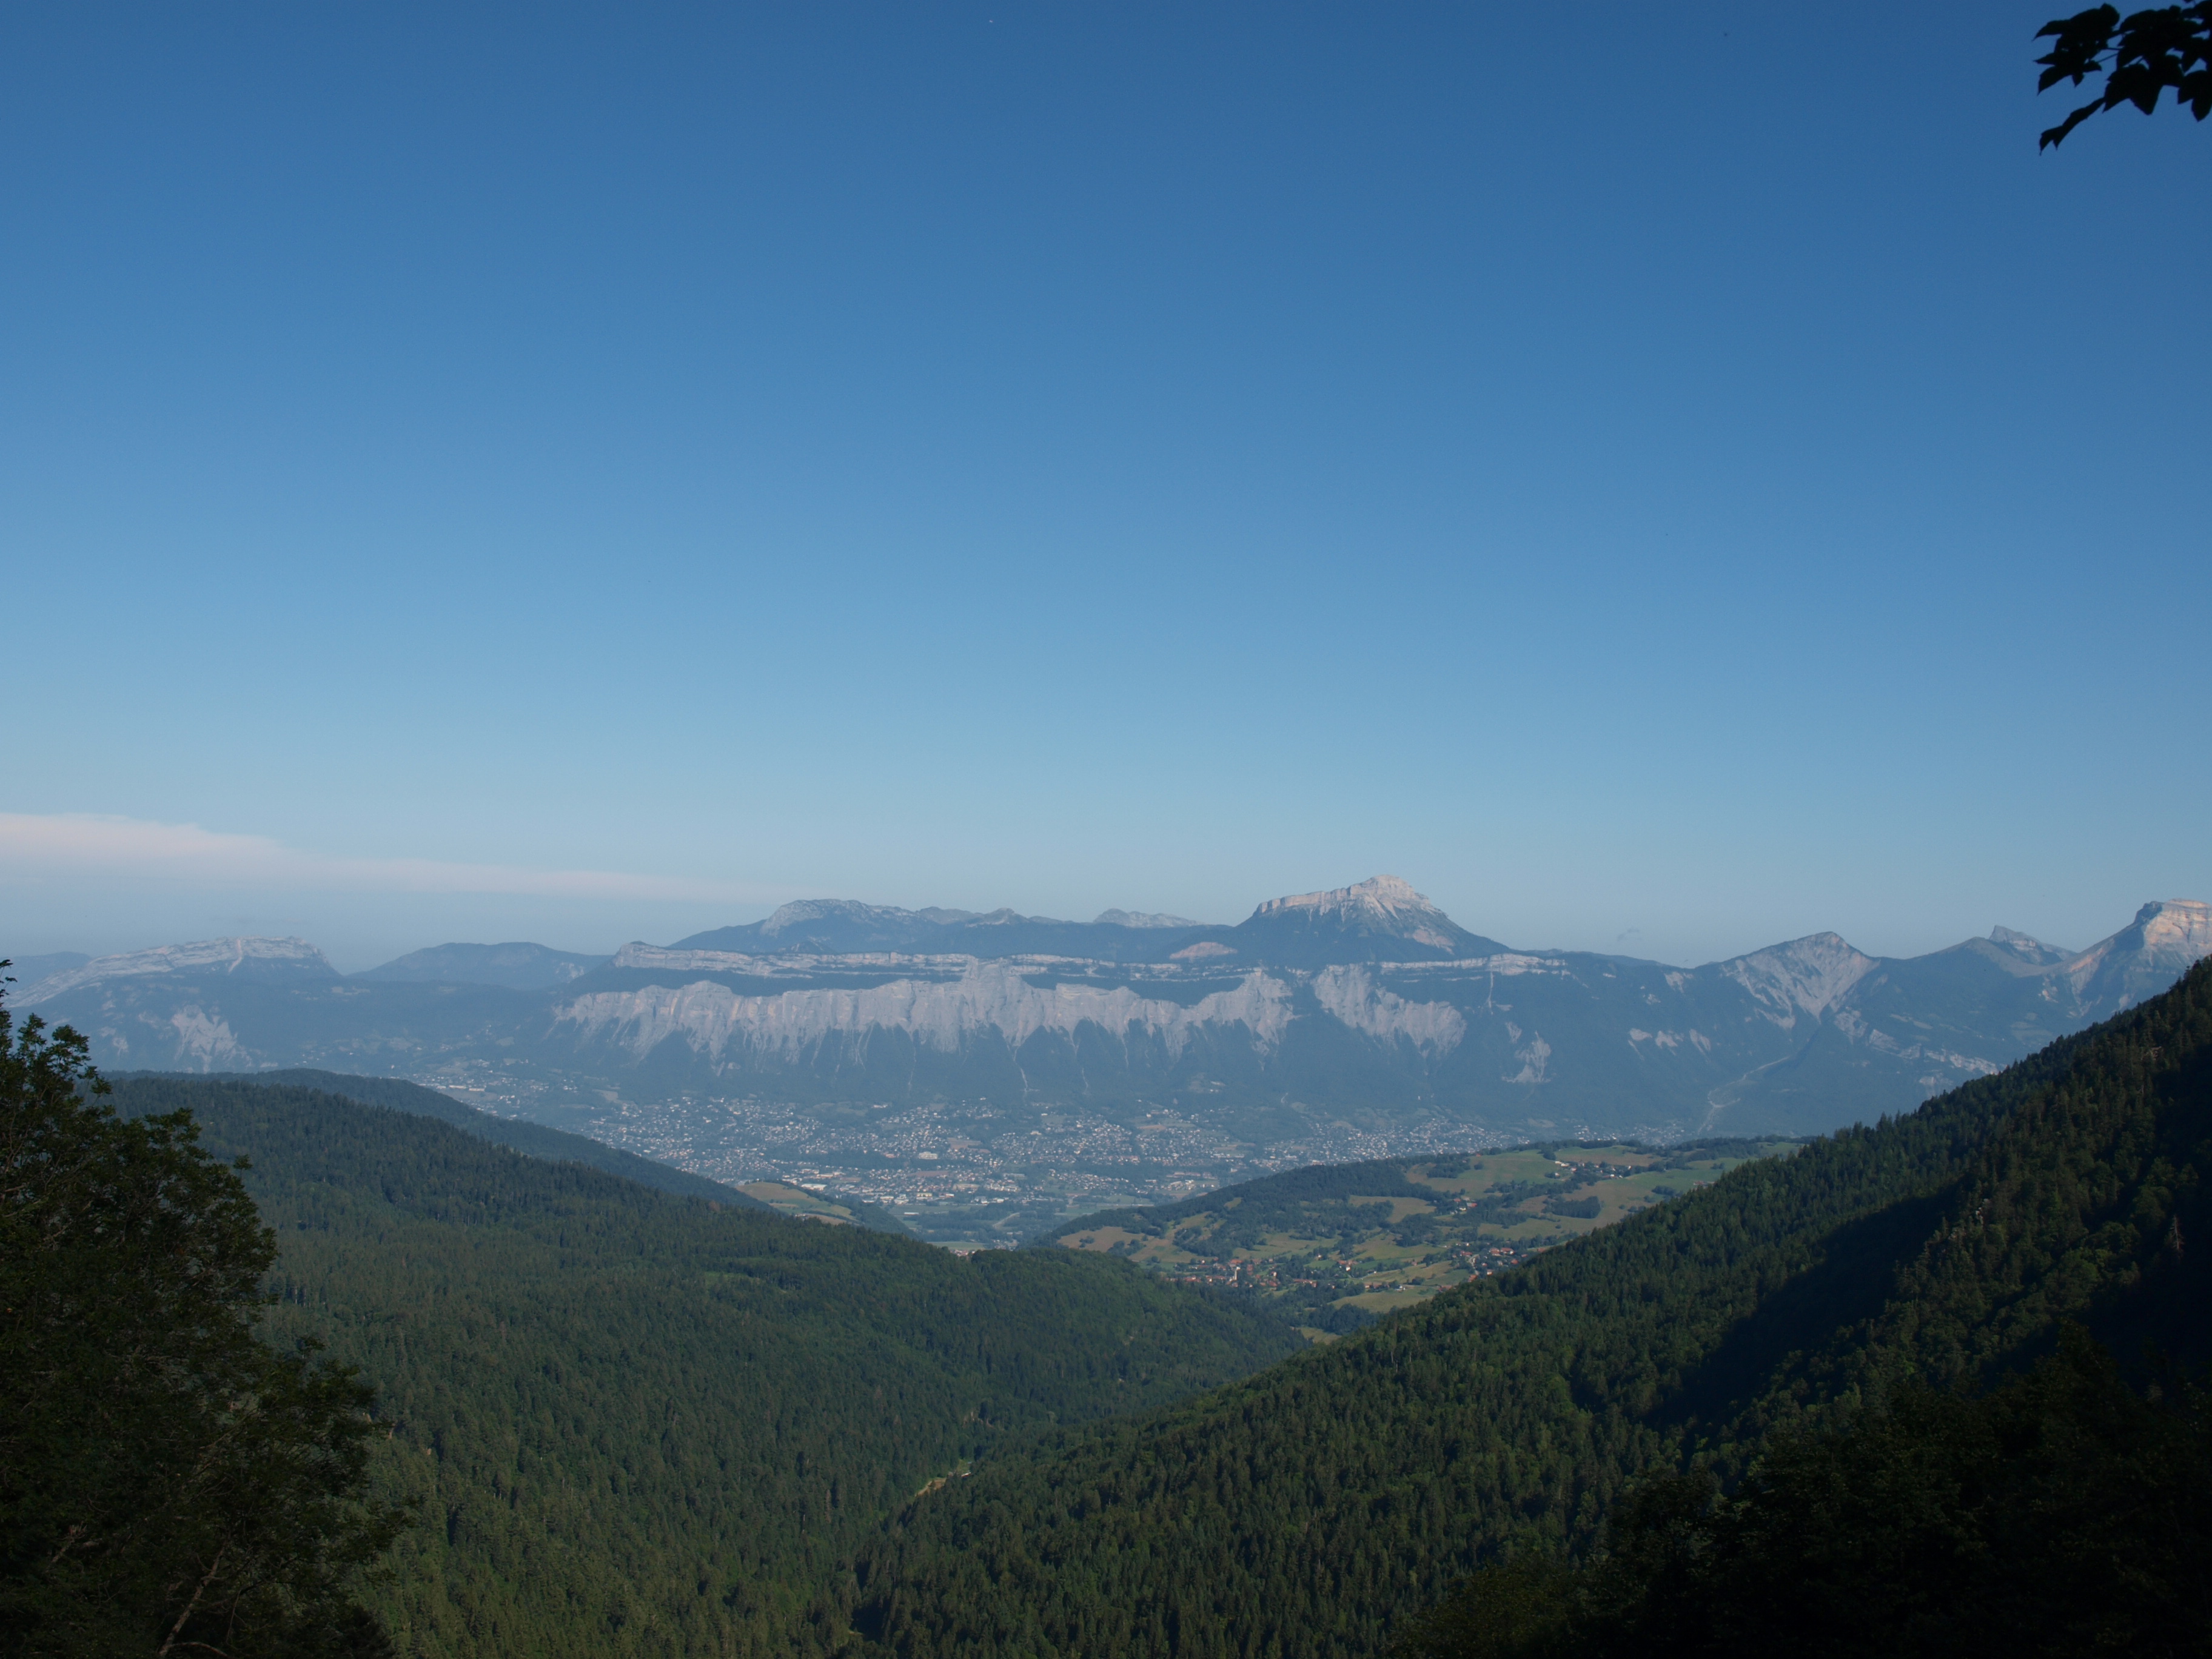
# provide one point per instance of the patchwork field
(1332, 1247)
(796, 1202)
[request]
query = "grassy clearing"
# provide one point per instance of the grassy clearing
(797, 1201)
(1333, 1245)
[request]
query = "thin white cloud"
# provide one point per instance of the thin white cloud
(81, 844)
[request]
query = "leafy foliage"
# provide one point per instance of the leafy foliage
(168, 1483)
(639, 1424)
(2139, 57)
(1314, 1509)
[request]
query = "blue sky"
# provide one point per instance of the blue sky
(1664, 479)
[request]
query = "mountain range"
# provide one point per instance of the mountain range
(1365, 1004)
(517, 966)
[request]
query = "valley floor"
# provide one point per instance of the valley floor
(967, 1174)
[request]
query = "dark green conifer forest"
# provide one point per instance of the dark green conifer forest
(1321, 1507)
(2062, 1512)
(635, 1423)
(1941, 1359)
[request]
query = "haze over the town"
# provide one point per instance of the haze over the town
(1663, 481)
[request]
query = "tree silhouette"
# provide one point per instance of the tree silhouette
(2139, 58)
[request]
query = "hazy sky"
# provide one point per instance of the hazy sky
(1663, 478)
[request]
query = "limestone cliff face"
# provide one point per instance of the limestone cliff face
(1350, 994)
(992, 997)
(203, 1042)
(944, 1001)
(2166, 938)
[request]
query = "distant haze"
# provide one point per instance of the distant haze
(109, 902)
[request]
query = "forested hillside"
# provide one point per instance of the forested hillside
(535, 1140)
(1311, 1509)
(641, 1424)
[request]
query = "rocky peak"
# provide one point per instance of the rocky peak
(2166, 938)
(1381, 918)
(1806, 975)
(2177, 923)
(2030, 951)
(1390, 901)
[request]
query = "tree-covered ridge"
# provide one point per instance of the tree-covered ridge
(533, 1140)
(638, 1423)
(539, 1140)
(1313, 1509)
(2061, 1513)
